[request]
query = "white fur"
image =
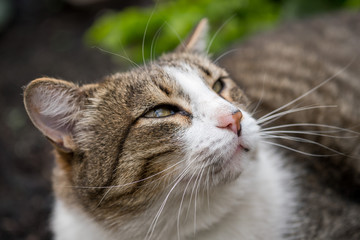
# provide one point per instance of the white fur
(255, 204)
(70, 223)
(206, 107)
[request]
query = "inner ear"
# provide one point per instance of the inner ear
(54, 107)
(197, 40)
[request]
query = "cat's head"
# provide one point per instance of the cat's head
(122, 143)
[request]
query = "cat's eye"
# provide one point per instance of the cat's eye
(218, 85)
(161, 111)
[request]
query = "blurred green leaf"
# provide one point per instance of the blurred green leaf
(353, 4)
(164, 26)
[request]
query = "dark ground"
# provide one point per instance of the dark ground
(43, 38)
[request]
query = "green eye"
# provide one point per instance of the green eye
(218, 86)
(160, 112)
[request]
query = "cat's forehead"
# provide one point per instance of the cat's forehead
(183, 61)
(159, 76)
(151, 80)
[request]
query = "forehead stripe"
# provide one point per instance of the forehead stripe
(205, 70)
(190, 81)
(166, 90)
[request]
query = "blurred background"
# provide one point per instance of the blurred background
(83, 40)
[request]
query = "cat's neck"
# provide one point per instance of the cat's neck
(257, 206)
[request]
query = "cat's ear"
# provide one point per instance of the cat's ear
(197, 40)
(54, 107)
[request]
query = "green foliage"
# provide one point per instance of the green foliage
(301, 8)
(168, 22)
(353, 4)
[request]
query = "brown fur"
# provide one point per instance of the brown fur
(106, 136)
(109, 143)
(277, 67)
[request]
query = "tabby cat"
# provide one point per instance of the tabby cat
(175, 149)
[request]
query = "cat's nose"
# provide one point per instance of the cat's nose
(231, 121)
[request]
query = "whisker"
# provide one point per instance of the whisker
(144, 37)
(181, 203)
(298, 139)
(176, 33)
(314, 133)
(208, 188)
(312, 125)
(295, 150)
(261, 97)
(103, 197)
(117, 186)
(311, 90)
(300, 109)
(197, 185)
(156, 36)
(218, 31)
(226, 53)
(134, 182)
(192, 192)
(117, 55)
(156, 218)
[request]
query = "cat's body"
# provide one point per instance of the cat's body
(287, 63)
(158, 152)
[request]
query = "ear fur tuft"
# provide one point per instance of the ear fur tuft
(54, 107)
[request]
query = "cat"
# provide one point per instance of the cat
(280, 66)
(175, 149)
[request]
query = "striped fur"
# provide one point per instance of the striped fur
(123, 175)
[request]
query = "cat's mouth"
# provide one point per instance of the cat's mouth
(243, 144)
(244, 148)
(241, 148)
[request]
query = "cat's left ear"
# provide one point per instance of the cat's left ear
(197, 40)
(54, 107)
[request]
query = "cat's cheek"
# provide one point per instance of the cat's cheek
(250, 135)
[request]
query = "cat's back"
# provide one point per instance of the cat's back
(281, 65)
(278, 67)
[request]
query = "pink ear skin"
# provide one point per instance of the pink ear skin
(54, 106)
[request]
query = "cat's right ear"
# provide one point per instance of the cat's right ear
(197, 40)
(54, 108)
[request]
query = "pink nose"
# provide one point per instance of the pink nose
(231, 122)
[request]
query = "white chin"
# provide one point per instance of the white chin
(231, 169)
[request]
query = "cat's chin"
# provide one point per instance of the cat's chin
(221, 171)
(230, 169)
(228, 164)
